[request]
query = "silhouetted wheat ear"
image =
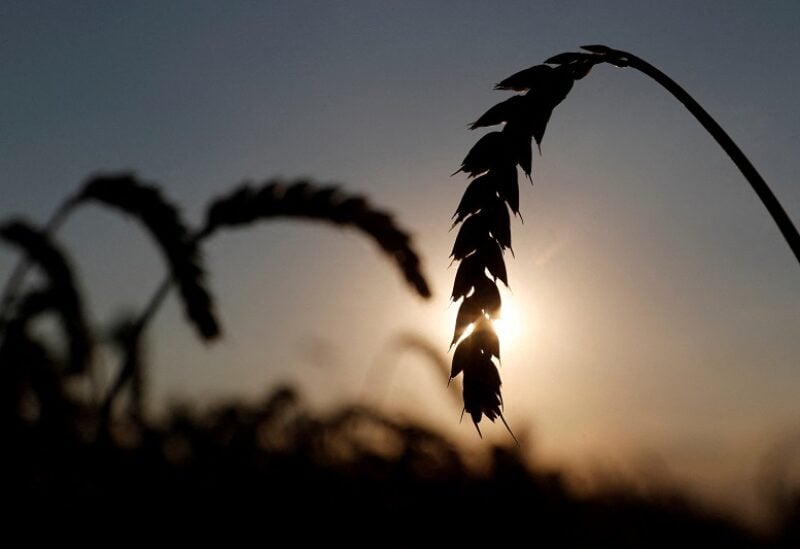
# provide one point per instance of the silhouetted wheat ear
(305, 199)
(61, 294)
(483, 214)
(163, 221)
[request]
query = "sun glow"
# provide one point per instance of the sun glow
(509, 326)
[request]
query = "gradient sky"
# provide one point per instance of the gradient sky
(661, 307)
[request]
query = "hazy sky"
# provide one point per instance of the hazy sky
(660, 306)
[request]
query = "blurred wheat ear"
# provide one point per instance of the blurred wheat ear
(163, 220)
(61, 294)
(304, 199)
(246, 205)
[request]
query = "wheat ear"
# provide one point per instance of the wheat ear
(485, 222)
(62, 293)
(163, 220)
(304, 199)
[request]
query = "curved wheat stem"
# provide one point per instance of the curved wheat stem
(782, 220)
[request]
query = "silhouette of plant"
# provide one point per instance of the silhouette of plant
(485, 222)
(303, 199)
(181, 248)
(126, 336)
(61, 295)
(162, 219)
(351, 461)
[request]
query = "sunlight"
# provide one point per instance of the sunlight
(509, 325)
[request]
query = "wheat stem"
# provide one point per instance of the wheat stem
(779, 215)
(304, 200)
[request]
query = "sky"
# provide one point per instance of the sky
(659, 306)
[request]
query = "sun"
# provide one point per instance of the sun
(509, 326)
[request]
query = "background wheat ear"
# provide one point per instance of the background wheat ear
(162, 219)
(61, 294)
(305, 199)
(485, 222)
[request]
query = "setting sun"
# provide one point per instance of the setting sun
(510, 324)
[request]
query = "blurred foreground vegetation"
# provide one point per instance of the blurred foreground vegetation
(353, 475)
(347, 474)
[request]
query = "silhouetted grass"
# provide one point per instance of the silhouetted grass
(180, 246)
(61, 294)
(304, 199)
(162, 219)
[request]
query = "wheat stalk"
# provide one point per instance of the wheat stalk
(126, 335)
(304, 199)
(485, 231)
(604, 54)
(245, 205)
(62, 293)
(162, 219)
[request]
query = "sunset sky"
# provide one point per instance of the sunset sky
(659, 306)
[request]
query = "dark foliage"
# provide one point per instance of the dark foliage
(352, 476)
